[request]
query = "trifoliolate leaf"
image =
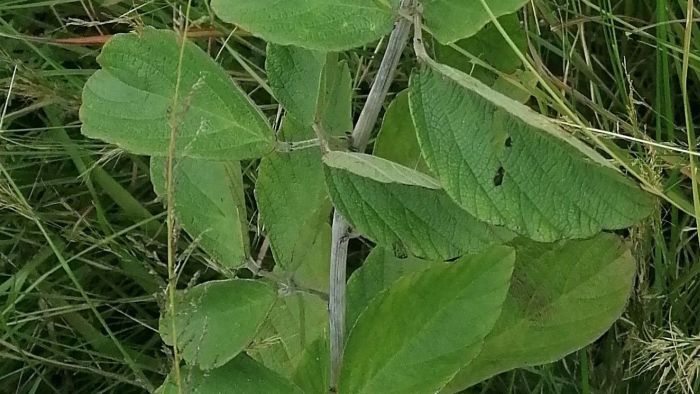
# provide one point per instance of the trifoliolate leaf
(563, 296)
(293, 324)
(507, 165)
(241, 375)
(397, 139)
(209, 204)
(326, 25)
(396, 206)
(217, 320)
(413, 337)
(379, 271)
(129, 101)
(451, 20)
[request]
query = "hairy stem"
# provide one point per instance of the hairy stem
(340, 232)
(170, 192)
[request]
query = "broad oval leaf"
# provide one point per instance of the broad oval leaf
(452, 20)
(129, 101)
(216, 320)
(396, 206)
(507, 165)
(210, 206)
(379, 271)
(326, 25)
(429, 324)
(563, 296)
(241, 375)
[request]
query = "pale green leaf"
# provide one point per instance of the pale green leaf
(399, 207)
(563, 296)
(210, 206)
(217, 320)
(413, 337)
(452, 20)
(326, 25)
(241, 375)
(128, 102)
(379, 271)
(295, 321)
(507, 165)
(397, 139)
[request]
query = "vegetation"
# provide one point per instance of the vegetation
(166, 204)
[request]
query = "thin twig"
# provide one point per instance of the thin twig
(340, 231)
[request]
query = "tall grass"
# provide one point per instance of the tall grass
(83, 244)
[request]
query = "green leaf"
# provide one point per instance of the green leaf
(379, 271)
(291, 192)
(295, 75)
(396, 206)
(507, 165)
(415, 336)
(312, 374)
(294, 322)
(490, 46)
(216, 320)
(451, 20)
(241, 375)
(325, 25)
(563, 296)
(210, 206)
(292, 200)
(397, 139)
(129, 101)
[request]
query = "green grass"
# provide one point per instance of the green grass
(83, 254)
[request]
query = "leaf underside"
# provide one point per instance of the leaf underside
(507, 165)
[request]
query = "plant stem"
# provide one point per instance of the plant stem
(340, 231)
(170, 192)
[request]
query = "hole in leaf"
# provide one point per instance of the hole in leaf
(399, 250)
(498, 179)
(509, 142)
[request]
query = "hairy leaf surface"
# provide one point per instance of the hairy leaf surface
(507, 165)
(427, 325)
(217, 320)
(209, 204)
(326, 25)
(396, 206)
(129, 101)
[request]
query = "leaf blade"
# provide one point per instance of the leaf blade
(128, 102)
(487, 151)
